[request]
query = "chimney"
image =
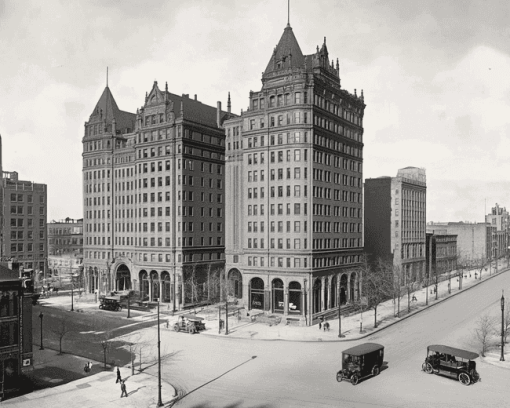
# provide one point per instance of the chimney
(218, 114)
(228, 104)
(195, 97)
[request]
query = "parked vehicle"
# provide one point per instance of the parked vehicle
(451, 362)
(361, 361)
(190, 323)
(109, 303)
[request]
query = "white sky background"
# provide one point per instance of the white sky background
(435, 76)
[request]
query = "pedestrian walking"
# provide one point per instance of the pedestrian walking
(123, 388)
(326, 326)
(321, 319)
(119, 378)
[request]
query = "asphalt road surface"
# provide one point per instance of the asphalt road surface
(84, 332)
(227, 372)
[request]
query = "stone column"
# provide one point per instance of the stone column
(322, 294)
(150, 287)
(328, 305)
(160, 287)
(182, 293)
(286, 300)
(348, 288)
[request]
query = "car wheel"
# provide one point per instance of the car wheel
(176, 327)
(339, 376)
(427, 367)
(464, 379)
(375, 371)
(354, 379)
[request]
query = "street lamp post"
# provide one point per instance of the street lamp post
(160, 403)
(339, 310)
(502, 358)
(72, 294)
(41, 317)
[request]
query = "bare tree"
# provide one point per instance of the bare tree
(483, 333)
(103, 338)
(377, 285)
(62, 328)
(146, 351)
(506, 326)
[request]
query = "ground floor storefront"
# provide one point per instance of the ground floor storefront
(298, 298)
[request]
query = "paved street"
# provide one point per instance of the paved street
(219, 372)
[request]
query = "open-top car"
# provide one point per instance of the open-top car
(451, 362)
(190, 323)
(361, 361)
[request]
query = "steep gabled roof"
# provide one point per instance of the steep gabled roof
(106, 108)
(287, 52)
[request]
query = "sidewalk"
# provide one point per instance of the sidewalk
(97, 389)
(350, 324)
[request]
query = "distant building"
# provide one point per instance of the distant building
(473, 239)
(16, 357)
(441, 254)
(395, 221)
(294, 188)
(65, 258)
(499, 220)
(24, 239)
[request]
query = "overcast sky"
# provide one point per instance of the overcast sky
(435, 76)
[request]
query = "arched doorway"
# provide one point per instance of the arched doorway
(165, 279)
(352, 296)
(155, 286)
(123, 278)
(277, 296)
(257, 294)
(295, 296)
(236, 283)
(333, 292)
(144, 285)
(317, 289)
(343, 289)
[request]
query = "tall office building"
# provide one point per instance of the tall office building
(395, 221)
(23, 235)
(153, 185)
(294, 188)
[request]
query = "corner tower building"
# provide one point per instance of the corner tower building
(294, 189)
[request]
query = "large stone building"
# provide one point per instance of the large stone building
(395, 221)
(441, 253)
(153, 186)
(16, 357)
(294, 188)
(65, 253)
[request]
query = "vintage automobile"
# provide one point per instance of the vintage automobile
(190, 323)
(451, 362)
(361, 361)
(109, 303)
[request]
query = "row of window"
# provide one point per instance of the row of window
(277, 209)
(20, 222)
(335, 260)
(20, 247)
(335, 109)
(279, 100)
(278, 243)
(20, 198)
(328, 226)
(156, 257)
(21, 234)
(18, 209)
(278, 261)
(277, 226)
(336, 243)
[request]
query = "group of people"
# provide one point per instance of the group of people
(88, 367)
(323, 324)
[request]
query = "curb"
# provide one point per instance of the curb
(374, 331)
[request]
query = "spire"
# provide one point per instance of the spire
(107, 77)
(288, 13)
(228, 103)
(287, 46)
